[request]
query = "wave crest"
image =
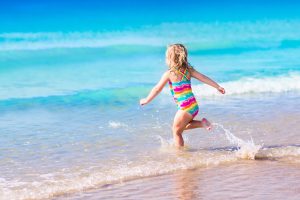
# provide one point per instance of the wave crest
(285, 83)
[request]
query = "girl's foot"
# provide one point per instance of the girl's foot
(206, 124)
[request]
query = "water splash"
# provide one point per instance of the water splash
(117, 124)
(168, 145)
(246, 149)
(165, 143)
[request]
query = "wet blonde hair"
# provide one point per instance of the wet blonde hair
(176, 57)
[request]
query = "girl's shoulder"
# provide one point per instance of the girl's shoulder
(190, 68)
(166, 74)
(170, 72)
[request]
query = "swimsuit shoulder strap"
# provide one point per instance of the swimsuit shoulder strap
(184, 75)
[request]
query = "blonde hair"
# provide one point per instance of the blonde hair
(176, 57)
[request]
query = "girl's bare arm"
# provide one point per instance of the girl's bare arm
(207, 80)
(156, 89)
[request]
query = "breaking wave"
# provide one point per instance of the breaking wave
(249, 85)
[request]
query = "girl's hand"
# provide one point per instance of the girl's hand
(143, 101)
(221, 90)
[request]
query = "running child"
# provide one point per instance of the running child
(179, 77)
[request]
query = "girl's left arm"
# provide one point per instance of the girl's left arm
(156, 89)
(207, 80)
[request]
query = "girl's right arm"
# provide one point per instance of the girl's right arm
(207, 80)
(156, 89)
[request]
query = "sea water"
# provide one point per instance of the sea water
(70, 120)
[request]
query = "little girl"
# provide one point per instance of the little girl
(179, 77)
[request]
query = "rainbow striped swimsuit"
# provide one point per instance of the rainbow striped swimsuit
(183, 95)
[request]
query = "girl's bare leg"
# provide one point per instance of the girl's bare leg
(181, 120)
(204, 123)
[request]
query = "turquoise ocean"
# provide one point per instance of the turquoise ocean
(72, 74)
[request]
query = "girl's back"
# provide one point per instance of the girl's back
(177, 76)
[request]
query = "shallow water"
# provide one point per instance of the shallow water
(215, 166)
(108, 152)
(241, 180)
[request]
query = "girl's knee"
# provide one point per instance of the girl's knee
(177, 130)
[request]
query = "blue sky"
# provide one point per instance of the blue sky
(79, 15)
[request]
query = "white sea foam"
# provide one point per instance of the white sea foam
(167, 145)
(279, 152)
(277, 84)
(117, 124)
(69, 181)
(247, 149)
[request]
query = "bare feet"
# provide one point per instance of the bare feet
(206, 124)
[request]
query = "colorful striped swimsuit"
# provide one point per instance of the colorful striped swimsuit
(183, 95)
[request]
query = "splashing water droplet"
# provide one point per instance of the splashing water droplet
(246, 149)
